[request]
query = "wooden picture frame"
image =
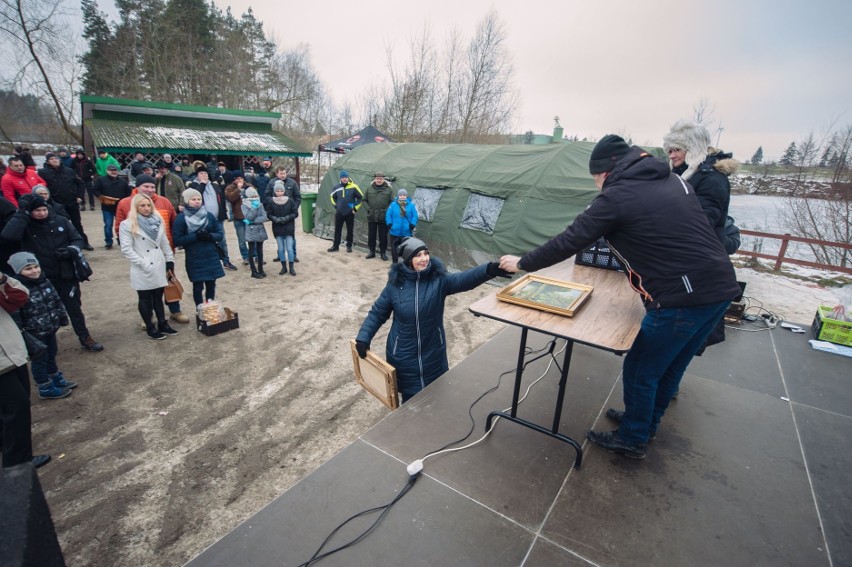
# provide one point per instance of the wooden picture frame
(546, 294)
(376, 376)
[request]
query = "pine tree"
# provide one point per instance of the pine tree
(790, 155)
(757, 158)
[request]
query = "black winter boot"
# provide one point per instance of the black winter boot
(292, 269)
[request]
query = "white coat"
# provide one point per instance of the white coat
(147, 257)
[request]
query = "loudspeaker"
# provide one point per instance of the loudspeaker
(28, 536)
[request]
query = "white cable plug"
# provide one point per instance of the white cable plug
(414, 467)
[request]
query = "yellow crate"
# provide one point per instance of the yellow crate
(831, 330)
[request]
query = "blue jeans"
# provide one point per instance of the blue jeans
(286, 244)
(664, 347)
(44, 365)
(109, 222)
(240, 228)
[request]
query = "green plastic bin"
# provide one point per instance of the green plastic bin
(309, 203)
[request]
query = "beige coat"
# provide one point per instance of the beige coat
(147, 257)
(13, 351)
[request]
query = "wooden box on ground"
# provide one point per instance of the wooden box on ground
(232, 321)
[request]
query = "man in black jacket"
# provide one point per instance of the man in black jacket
(67, 190)
(53, 239)
(656, 226)
(84, 168)
(110, 189)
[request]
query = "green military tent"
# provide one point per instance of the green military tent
(474, 202)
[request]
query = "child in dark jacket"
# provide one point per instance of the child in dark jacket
(42, 316)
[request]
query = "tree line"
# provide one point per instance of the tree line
(191, 52)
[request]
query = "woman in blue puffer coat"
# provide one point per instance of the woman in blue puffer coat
(401, 218)
(415, 295)
(198, 231)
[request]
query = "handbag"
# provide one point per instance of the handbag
(82, 269)
(35, 346)
(174, 289)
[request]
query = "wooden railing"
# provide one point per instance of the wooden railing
(781, 258)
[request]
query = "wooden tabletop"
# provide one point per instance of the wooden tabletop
(609, 319)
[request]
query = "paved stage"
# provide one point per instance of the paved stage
(736, 476)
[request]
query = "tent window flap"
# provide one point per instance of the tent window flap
(426, 199)
(481, 213)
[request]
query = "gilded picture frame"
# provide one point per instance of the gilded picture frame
(546, 294)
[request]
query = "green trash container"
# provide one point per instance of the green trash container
(309, 203)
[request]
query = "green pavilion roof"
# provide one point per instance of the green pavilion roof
(126, 135)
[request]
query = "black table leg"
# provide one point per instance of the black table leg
(569, 347)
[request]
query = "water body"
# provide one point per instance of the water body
(762, 213)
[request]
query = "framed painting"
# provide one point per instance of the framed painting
(376, 376)
(546, 294)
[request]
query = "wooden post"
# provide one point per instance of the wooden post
(784, 242)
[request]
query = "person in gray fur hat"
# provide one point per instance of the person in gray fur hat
(707, 169)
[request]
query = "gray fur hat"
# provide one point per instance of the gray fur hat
(691, 137)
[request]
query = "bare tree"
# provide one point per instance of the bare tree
(821, 209)
(486, 98)
(703, 111)
(39, 41)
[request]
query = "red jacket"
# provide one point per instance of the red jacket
(14, 184)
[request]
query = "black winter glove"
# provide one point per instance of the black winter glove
(203, 236)
(63, 253)
(23, 203)
(493, 269)
(362, 348)
(170, 267)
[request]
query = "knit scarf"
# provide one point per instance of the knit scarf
(150, 225)
(282, 200)
(196, 218)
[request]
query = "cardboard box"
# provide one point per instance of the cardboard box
(232, 321)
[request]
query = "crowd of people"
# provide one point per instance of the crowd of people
(150, 210)
(670, 235)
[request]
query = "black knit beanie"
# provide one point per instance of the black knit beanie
(33, 202)
(606, 153)
(140, 179)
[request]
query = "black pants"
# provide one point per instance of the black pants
(203, 290)
(382, 230)
(339, 220)
(151, 302)
(74, 214)
(15, 415)
(255, 250)
(88, 191)
(69, 293)
(394, 240)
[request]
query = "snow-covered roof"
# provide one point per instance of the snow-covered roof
(122, 135)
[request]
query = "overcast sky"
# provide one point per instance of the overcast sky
(772, 71)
